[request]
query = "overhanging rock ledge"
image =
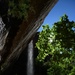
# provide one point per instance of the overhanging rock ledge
(26, 31)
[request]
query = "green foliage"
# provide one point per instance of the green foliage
(65, 32)
(56, 47)
(19, 8)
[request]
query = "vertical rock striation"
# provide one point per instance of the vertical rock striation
(26, 31)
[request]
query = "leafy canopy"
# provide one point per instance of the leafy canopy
(19, 8)
(56, 47)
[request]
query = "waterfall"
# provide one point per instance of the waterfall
(3, 35)
(30, 59)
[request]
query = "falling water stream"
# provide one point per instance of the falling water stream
(30, 59)
(3, 35)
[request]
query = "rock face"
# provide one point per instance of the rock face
(21, 32)
(20, 66)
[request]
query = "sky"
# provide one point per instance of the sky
(61, 7)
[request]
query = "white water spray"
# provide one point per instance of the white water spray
(30, 59)
(3, 35)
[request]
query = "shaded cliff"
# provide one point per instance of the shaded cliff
(21, 31)
(20, 66)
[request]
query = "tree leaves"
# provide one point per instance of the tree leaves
(19, 8)
(56, 45)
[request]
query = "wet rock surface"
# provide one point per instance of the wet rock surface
(22, 31)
